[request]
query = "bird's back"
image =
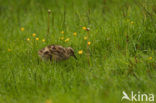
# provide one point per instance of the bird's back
(53, 52)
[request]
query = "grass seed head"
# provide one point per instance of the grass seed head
(49, 11)
(88, 29)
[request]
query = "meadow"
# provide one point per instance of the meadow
(117, 54)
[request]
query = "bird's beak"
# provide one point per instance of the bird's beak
(75, 56)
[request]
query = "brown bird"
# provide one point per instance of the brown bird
(56, 53)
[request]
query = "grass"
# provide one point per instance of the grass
(122, 50)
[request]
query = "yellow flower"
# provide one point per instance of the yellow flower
(9, 50)
(62, 32)
(80, 52)
(84, 28)
(22, 29)
(62, 38)
(150, 58)
(89, 43)
(33, 34)
(48, 101)
(28, 39)
(74, 33)
(67, 39)
(37, 38)
(132, 22)
(85, 38)
(43, 40)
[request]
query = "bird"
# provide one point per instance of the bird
(56, 53)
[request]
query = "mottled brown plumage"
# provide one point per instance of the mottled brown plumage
(56, 53)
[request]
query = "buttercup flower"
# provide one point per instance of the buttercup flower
(132, 22)
(74, 33)
(62, 38)
(84, 28)
(85, 38)
(150, 58)
(9, 50)
(43, 40)
(67, 40)
(33, 34)
(48, 101)
(37, 38)
(89, 43)
(80, 52)
(28, 39)
(62, 32)
(22, 29)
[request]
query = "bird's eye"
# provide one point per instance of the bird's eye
(72, 51)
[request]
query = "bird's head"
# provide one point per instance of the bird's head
(70, 52)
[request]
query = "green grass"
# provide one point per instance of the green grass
(122, 35)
